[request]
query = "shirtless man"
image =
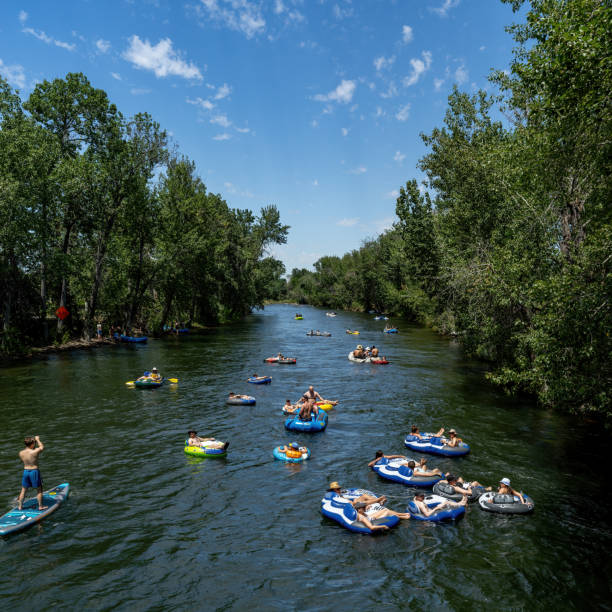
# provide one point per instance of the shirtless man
(31, 473)
(307, 409)
(374, 352)
(426, 511)
(379, 455)
(312, 394)
(289, 408)
(194, 440)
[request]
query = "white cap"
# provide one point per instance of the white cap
(505, 481)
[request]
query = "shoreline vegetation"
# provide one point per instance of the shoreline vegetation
(104, 223)
(507, 244)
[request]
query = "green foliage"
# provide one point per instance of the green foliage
(96, 216)
(514, 255)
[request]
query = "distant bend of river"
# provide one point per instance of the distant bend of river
(148, 528)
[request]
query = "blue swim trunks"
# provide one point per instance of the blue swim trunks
(31, 478)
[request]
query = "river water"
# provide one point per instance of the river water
(148, 528)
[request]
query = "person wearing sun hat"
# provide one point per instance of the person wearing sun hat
(506, 489)
(335, 487)
(452, 440)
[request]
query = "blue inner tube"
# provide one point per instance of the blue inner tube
(278, 454)
(318, 423)
(391, 331)
(260, 381)
(240, 401)
(399, 472)
(431, 501)
(435, 446)
(344, 514)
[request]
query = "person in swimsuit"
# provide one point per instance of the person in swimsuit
(289, 408)
(312, 394)
(379, 455)
(365, 497)
(374, 511)
(414, 431)
(307, 409)
(233, 395)
(374, 352)
(505, 489)
(453, 440)
(31, 472)
(426, 511)
(421, 469)
(194, 440)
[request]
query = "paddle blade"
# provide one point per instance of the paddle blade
(174, 381)
(129, 382)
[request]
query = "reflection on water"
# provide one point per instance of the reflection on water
(148, 526)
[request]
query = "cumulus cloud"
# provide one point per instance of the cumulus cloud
(13, 74)
(205, 104)
(391, 91)
(224, 136)
(116, 76)
(239, 15)
(358, 170)
(348, 222)
(442, 11)
(343, 93)
(244, 130)
(399, 157)
(102, 45)
(23, 16)
(223, 91)
(49, 39)
(383, 62)
(403, 113)
(393, 194)
(438, 84)
(161, 59)
(221, 120)
(342, 13)
(406, 34)
(461, 74)
(419, 67)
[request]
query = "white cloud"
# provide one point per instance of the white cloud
(240, 15)
(342, 13)
(102, 45)
(399, 157)
(279, 7)
(49, 39)
(343, 93)
(221, 120)
(116, 76)
(13, 74)
(482, 48)
(358, 170)
(443, 10)
(393, 194)
(406, 34)
(205, 104)
(244, 130)
(224, 136)
(345, 131)
(23, 16)
(348, 222)
(315, 183)
(137, 91)
(461, 75)
(234, 190)
(418, 68)
(438, 84)
(382, 225)
(391, 91)
(161, 58)
(314, 123)
(403, 113)
(379, 112)
(223, 91)
(383, 62)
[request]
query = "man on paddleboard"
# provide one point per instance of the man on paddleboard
(31, 473)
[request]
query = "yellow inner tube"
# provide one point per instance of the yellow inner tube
(325, 406)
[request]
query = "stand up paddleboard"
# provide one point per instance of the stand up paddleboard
(17, 520)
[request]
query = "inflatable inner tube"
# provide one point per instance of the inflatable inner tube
(379, 361)
(262, 380)
(241, 401)
(317, 423)
(149, 384)
(393, 330)
(505, 504)
(290, 456)
(435, 446)
(432, 501)
(203, 451)
(336, 508)
(324, 406)
(351, 357)
(287, 360)
(271, 360)
(443, 489)
(397, 471)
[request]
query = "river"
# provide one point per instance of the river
(148, 528)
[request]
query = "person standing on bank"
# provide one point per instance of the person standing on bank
(31, 473)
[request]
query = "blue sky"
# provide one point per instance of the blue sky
(312, 105)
